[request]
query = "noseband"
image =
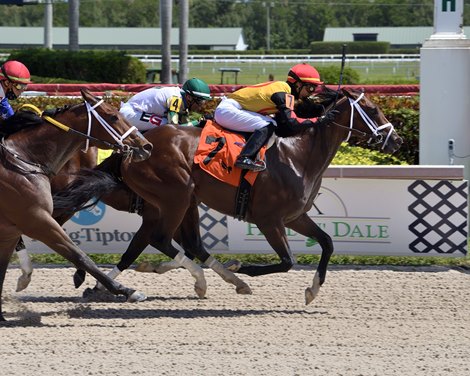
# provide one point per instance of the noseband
(374, 128)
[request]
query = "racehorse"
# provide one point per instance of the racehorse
(32, 155)
(81, 159)
(281, 196)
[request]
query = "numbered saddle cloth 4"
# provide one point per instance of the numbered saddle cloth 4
(217, 152)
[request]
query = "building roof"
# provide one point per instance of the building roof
(230, 38)
(395, 35)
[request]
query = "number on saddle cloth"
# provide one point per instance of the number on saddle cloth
(217, 152)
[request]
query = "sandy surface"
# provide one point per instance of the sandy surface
(366, 321)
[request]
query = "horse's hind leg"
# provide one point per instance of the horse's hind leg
(305, 226)
(154, 233)
(192, 242)
(6, 250)
(25, 264)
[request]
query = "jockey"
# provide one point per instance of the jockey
(251, 109)
(14, 78)
(167, 105)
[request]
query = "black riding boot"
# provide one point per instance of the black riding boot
(247, 158)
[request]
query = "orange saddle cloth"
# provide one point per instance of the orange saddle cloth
(217, 151)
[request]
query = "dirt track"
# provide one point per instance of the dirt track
(367, 321)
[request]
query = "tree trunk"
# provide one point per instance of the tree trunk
(165, 17)
(74, 16)
(183, 45)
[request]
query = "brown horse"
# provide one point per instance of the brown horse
(282, 195)
(32, 155)
(82, 159)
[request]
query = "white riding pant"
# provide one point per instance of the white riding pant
(229, 114)
(143, 121)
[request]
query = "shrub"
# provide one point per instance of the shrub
(402, 112)
(90, 66)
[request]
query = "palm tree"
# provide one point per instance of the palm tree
(74, 16)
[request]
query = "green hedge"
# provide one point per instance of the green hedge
(402, 112)
(90, 66)
(332, 48)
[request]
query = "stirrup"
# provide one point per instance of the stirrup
(246, 163)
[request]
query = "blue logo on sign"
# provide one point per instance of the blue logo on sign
(90, 216)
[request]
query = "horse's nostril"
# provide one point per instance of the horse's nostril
(148, 147)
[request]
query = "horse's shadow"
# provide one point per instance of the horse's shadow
(85, 310)
(126, 313)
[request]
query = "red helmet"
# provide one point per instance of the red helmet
(304, 73)
(15, 72)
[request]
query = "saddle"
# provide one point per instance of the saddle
(216, 154)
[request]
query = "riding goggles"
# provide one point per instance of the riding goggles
(19, 86)
(310, 87)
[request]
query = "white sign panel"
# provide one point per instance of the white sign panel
(377, 217)
(448, 19)
(363, 216)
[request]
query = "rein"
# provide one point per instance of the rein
(91, 111)
(354, 104)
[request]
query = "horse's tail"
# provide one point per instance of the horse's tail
(84, 192)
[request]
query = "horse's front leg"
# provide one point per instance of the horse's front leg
(56, 239)
(305, 226)
(6, 250)
(276, 236)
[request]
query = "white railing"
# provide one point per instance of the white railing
(281, 58)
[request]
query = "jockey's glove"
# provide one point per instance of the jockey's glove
(327, 118)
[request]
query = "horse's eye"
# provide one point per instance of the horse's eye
(374, 111)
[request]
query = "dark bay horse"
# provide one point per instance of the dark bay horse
(32, 155)
(281, 197)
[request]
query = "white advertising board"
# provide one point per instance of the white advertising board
(363, 216)
(378, 217)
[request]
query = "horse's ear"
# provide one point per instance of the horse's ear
(87, 96)
(346, 92)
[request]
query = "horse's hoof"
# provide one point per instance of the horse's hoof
(79, 278)
(244, 290)
(310, 294)
(136, 297)
(200, 289)
(87, 293)
(144, 267)
(233, 265)
(23, 282)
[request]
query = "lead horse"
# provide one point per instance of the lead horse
(31, 156)
(281, 197)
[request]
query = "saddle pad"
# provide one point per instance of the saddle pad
(217, 151)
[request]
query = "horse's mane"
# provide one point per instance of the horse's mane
(23, 119)
(315, 106)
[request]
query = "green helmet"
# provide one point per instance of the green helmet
(197, 88)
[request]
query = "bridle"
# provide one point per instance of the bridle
(118, 145)
(91, 111)
(374, 128)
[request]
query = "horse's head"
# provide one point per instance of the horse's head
(367, 121)
(109, 129)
